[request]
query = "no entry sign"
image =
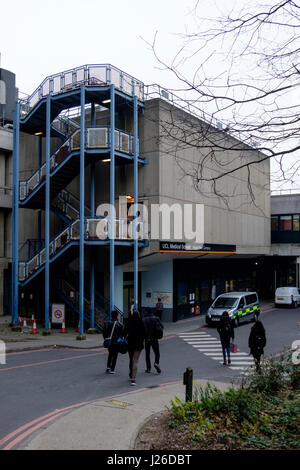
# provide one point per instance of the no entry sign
(58, 313)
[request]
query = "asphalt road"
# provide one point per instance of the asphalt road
(34, 383)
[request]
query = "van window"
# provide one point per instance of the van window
(225, 302)
(283, 290)
(242, 303)
(251, 299)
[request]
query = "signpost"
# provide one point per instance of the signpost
(58, 313)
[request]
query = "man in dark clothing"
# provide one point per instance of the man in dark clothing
(226, 332)
(159, 308)
(117, 332)
(151, 323)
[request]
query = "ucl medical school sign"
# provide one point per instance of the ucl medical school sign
(2, 353)
(58, 313)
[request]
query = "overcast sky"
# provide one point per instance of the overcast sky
(40, 38)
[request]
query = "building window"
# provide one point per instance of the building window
(274, 223)
(285, 223)
(296, 225)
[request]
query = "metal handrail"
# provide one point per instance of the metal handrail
(70, 233)
(89, 75)
(124, 143)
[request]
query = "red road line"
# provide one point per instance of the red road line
(55, 414)
(41, 422)
(51, 362)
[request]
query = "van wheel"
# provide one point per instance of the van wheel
(236, 322)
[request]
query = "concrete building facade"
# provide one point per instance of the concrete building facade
(138, 147)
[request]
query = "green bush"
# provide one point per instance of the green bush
(271, 377)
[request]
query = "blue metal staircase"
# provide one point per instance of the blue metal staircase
(47, 113)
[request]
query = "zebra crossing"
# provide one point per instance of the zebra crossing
(211, 347)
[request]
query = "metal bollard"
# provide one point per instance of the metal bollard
(188, 382)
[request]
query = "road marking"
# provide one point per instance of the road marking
(206, 349)
(50, 362)
(241, 363)
(211, 347)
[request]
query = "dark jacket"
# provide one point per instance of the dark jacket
(226, 331)
(118, 330)
(135, 333)
(150, 323)
(257, 340)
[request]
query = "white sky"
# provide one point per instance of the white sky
(40, 38)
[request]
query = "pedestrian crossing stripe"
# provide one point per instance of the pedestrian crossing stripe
(211, 347)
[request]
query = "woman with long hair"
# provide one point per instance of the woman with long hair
(257, 341)
(226, 332)
(135, 333)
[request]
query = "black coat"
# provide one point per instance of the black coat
(150, 323)
(226, 332)
(257, 341)
(135, 333)
(118, 330)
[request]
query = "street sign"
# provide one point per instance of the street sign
(58, 313)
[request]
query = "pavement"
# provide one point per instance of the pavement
(111, 423)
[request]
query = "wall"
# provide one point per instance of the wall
(6, 145)
(231, 219)
(158, 278)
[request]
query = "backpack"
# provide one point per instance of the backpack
(159, 330)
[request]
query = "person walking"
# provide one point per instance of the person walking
(152, 324)
(226, 332)
(257, 341)
(135, 334)
(159, 308)
(113, 329)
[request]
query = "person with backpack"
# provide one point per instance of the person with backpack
(113, 329)
(226, 332)
(153, 332)
(257, 341)
(159, 308)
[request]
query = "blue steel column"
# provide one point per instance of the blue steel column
(135, 195)
(15, 217)
(81, 243)
(112, 197)
(92, 198)
(47, 213)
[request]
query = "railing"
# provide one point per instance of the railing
(27, 268)
(284, 192)
(72, 295)
(95, 229)
(100, 229)
(30, 248)
(89, 75)
(65, 125)
(95, 137)
(102, 302)
(69, 205)
(156, 91)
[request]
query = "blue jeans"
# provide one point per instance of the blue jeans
(225, 349)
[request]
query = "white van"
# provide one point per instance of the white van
(241, 306)
(287, 296)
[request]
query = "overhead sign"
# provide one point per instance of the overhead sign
(185, 247)
(58, 313)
